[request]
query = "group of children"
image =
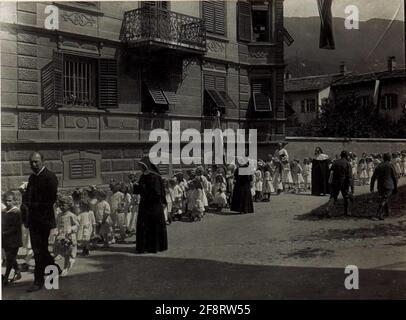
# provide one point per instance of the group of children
(84, 219)
(89, 217)
(363, 167)
(279, 175)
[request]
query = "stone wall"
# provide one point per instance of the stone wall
(303, 147)
(112, 161)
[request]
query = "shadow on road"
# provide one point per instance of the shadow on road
(118, 276)
(363, 206)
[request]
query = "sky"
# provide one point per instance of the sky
(368, 9)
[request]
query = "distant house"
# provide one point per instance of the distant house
(386, 90)
(304, 96)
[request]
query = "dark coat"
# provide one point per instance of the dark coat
(320, 175)
(386, 175)
(151, 234)
(40, 198)
(342, 174)
(242, 197)
(11, 236)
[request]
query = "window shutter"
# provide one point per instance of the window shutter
(108, 88)
(216, 97)
(209, 16)
(261, 97)
(230, 103)
(220, 83)
(303, 106)
(209, 81)
(171, 97)
(262, 102)
(47, 86)
(58, 78)
(219, 17)
(256, 87)
(82, 169)
(244, 21)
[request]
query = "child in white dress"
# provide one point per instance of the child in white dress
(87, 226)
(66, 241)
(258, 185)
(297, 176)
(115, 200)
(195, 202)
(370, 169)
(307, 174)
(103, 217)
(178, 199)
(362, 172)
(219, 193)
(169, 202)
(268, 186)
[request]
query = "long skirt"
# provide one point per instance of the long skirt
(151, 234)
(242, 199)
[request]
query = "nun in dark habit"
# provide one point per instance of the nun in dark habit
(151, 236)
(320, 173)
(242, 198)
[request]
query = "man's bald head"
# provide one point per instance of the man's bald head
(36, 161)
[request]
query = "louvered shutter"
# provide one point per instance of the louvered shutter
(262, 102)
(209, 16)
(156, 93)
(157, 4)
(171, 97)
(108, 88)
(219, 17)
(230, 103)
(47, 86)
(216, 97)
(260, 92)
(244, 21)
(209, 81)
(82, 169)
(58, 78)
(220, 83)
(303, 106)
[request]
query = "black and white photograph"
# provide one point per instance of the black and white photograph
(203, 150)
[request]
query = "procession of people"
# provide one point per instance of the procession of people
(94, 218)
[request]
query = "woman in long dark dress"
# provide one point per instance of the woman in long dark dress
(151, 234)
(242, 198)
(320, 173)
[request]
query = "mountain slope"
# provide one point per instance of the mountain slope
(352, 46)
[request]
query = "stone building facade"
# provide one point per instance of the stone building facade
(86, 82)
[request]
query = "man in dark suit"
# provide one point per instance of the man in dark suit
(387, 185)
(40, 217)
(341, 181)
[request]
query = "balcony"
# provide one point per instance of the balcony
(159, 28)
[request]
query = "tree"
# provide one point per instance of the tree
(348, 118)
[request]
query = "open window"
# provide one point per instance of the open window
(255, 21)
(261, 21)
(79, 81)
(216, 98)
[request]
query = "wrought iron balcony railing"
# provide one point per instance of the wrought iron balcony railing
(150, 25)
